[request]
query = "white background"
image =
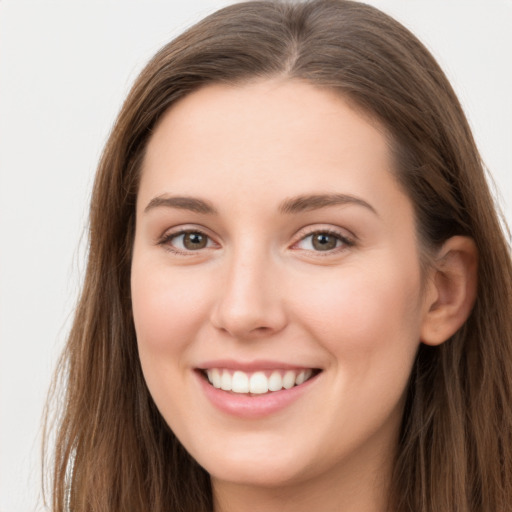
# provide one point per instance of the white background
(65, 67)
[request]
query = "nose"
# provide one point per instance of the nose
(250, 302)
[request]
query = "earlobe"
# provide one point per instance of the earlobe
(452, 290)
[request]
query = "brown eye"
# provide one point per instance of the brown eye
(194, 241)
(324, 241)
(186, 241)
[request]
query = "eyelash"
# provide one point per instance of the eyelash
(346, 242)
(167, 239)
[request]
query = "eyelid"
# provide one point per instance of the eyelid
(348, 239)
(169, 234)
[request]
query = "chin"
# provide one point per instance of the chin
(261, 464)
(248, 473)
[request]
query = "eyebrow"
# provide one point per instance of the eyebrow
(192, 204)
(316, 201)
(289, 206)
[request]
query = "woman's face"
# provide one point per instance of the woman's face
(273, 245)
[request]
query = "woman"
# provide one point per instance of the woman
(298, 292)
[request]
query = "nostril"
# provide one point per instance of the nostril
(262, 329)
(246, 327)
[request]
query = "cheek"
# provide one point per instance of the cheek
(167, 308)
(363, 310)
(168, 312)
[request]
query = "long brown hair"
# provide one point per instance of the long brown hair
(114, 452)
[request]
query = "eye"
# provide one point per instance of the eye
(323, 241)
(187, 241)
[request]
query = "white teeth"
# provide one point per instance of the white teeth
(225, 381)
(289, 380)
(256, 383)
(300, 378)
(240, 383)
(307, 375)
(215, 378)
(275, 382)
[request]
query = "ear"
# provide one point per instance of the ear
(451, 291)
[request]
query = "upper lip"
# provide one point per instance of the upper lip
(252, 366)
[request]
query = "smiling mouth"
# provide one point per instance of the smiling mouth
(259, 382)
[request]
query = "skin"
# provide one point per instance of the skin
(259, 289)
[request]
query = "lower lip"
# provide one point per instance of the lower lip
(254, 406)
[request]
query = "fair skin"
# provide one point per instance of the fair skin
(284, 244)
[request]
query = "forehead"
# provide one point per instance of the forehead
(272, 137)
